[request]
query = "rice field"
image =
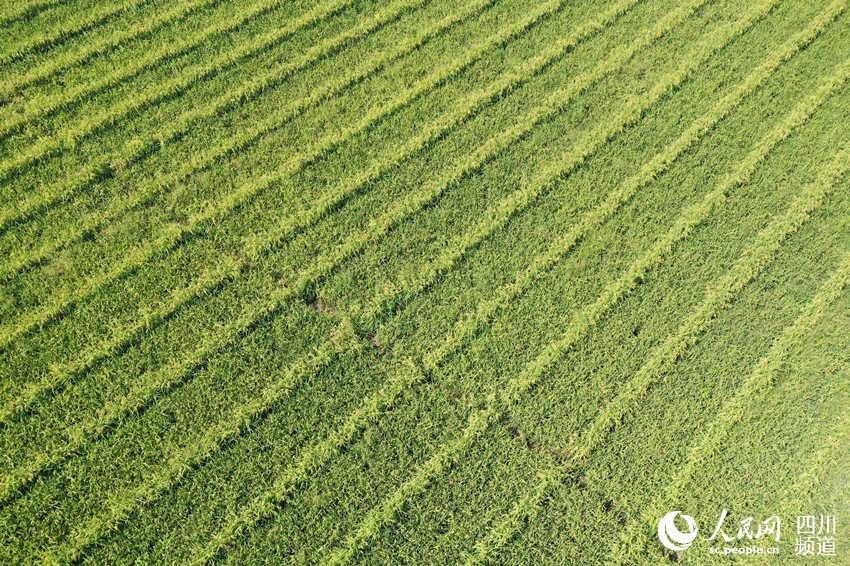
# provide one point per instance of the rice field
(422, 281)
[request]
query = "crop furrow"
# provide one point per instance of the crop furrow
(83, 24)
(501, 400)
(378, 227)
(310, 461)
(82, 432)
(39, 107)
(255, 246)
(468, 326)
(172, 235)
(498, 216)
(104, 44)
(244, 138)
(26, 10)
(24, 475)
(73, 549)
(633, 541)
(718, 297)
(495, 218)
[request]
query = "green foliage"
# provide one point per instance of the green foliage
(337, 281)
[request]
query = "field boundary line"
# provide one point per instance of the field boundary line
(501, 400)
(66, 188)
(50, 39)
(400, 212)
(66, 60)
(39, 107)
(734, 409)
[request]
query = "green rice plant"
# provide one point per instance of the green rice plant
(240, 141)
(104, 44)
(376, 229)
(26, 9)
(417, 281)
(259, 244)
(717, 297)
(39, 107)
(481, 420)
(634, 538)
(82, 23)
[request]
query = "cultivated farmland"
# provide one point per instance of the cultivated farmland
(422, 281)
